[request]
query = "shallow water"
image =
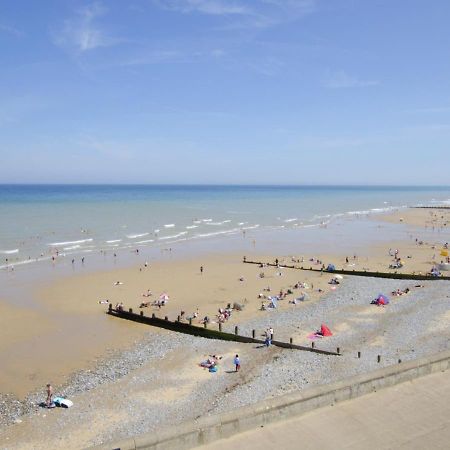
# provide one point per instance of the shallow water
(40, 221)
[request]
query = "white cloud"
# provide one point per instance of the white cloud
(81, 33)
(342, 80)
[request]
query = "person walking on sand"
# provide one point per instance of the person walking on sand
(49, 400)
(201, 269)
(237, 363)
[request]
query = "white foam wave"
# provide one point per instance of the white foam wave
(9, 252)
(157, 231)
(242, 223)
(175, 236)
(218, 223)
(291, 220)
(145, 242)
(134, 236)
(190, 227)
(207, 220)
(217, 233)
(251, 227)
(169, 225)
(81, 241)
(197, 221)
(73, 247)
(113, 241)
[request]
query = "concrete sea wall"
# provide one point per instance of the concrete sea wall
(207, 429)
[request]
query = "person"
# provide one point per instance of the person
(201, 269)
(237, 363)
(267, 341)
(271, 333)
(49, 400)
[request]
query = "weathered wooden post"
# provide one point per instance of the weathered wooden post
(110, 307)
(205, 324)
(153, 316)
(236, 330)
(378, 358)
(359, 354)
(220, 326)
(338, 351)
(399, 361)
(130, 310)
(312, 344)
(178, 318)
(166, 318)
(190, 320)
(253, 334)
(142, 313)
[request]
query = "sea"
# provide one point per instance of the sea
(42, 222)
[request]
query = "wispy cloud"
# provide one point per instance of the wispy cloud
(212, 7)
(429, 127)
(9, 29)
(13, 109)
(432, 110)
(255, 14)
(332, 142)
(82, 33)
(342, 80)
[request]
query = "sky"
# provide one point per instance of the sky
(225, 91)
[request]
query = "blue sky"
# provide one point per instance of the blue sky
(225, 91)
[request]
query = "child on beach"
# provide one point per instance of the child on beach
(237, 363)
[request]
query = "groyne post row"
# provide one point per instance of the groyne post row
(207, 429)
(209, 333)
(359, 273)
(430, 207)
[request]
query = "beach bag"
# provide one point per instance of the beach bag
(213, 369)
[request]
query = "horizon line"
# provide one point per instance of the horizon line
(224, 185)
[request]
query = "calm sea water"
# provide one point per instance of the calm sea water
(40, 220)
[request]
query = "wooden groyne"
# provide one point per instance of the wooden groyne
(209, 333)
(359, 273)
(430, 207)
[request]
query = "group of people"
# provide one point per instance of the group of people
(399, 292)
(272, 304)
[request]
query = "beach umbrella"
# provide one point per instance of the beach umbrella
(339, 277)
(164, 296)
(444, 252)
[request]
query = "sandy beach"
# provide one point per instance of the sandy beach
(93, 358)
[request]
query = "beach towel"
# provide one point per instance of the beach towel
(62, 402)
(314, 336)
